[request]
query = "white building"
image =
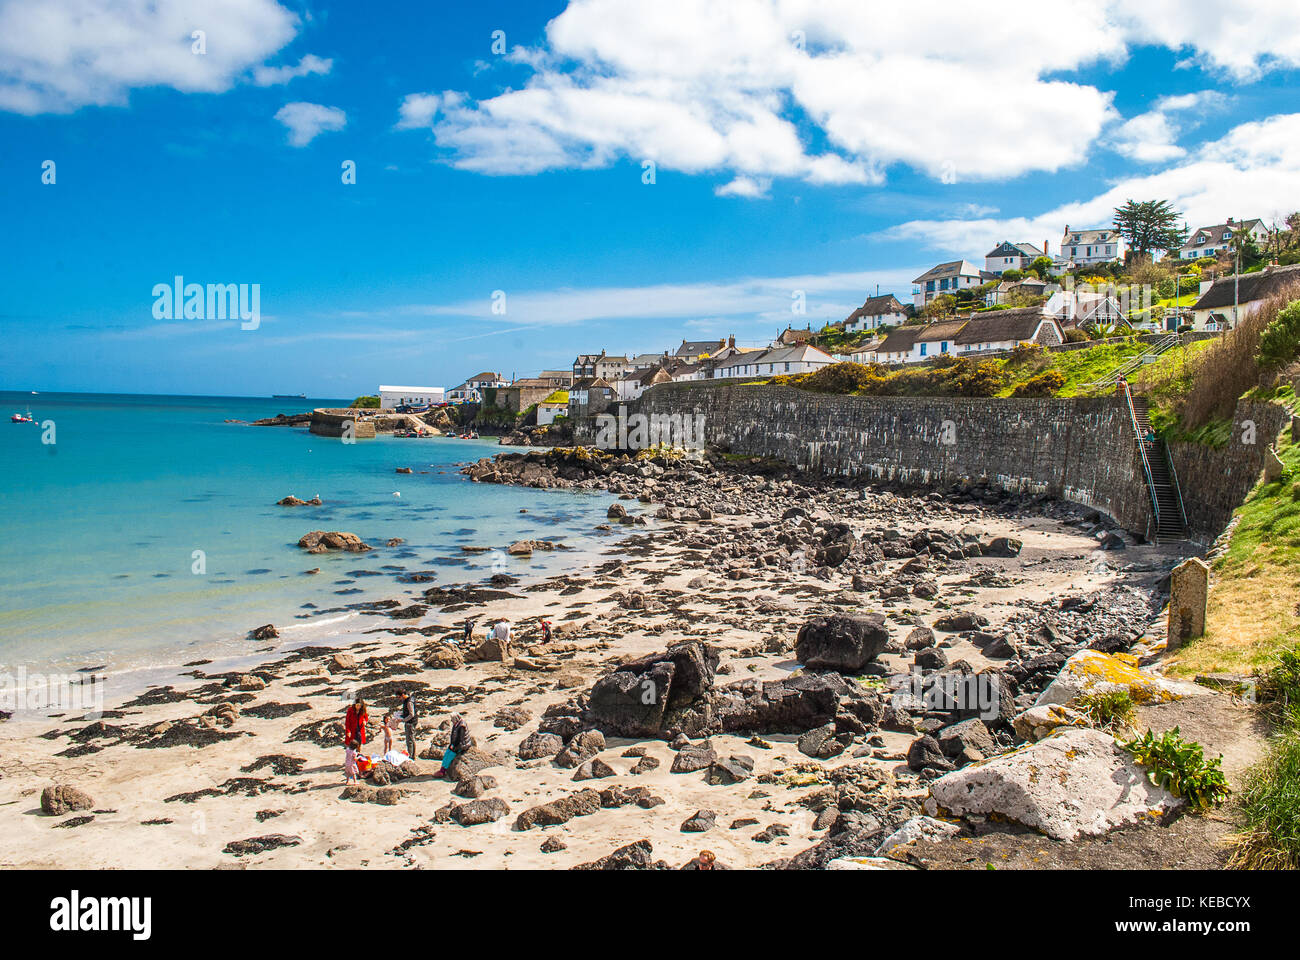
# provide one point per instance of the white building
(1242, 296)
(946, 278)
(555, 405)
(876, 312)
(1089, 247)
(774, 362)
(1213, 240)
(390, 397)
(1007, 329)
(1011, 256)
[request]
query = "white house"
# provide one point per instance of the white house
(1011, 256)
(1084, 307)
(556, 405)
(390, 397)
(1090, 247)
(876, 312)
(1006, 329)
(1212, 240)
(471, 391)
(1007, 290)
(897, 345)
(632, 385)
(863, 352)
(946, 278)
(1242, 295)
(775, 362)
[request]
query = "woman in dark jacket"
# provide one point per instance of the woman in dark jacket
(457, 743)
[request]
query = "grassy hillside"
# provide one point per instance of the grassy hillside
(1254, 611)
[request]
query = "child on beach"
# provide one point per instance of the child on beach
(350, 762)
(388, 727)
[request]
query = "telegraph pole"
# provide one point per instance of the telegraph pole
(1236, 277)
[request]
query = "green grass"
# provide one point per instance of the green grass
(1078, 367)
(1112, 711)
(1253, 611)
(1270, 802)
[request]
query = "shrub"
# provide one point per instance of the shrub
(365, 403)
(1279, 343)
(1180, 767)
(1044, 384)
(1075, 335)
(845, 377)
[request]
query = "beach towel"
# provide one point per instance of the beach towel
(448, 758)
(396, 757)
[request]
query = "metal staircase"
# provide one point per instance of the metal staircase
(1162, 479)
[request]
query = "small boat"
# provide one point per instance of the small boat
(19, 418)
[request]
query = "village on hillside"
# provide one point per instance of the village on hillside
(1143, 274)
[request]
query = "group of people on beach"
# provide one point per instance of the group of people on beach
(355, 734)
(500, 631)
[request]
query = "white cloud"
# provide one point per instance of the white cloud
(745, 88)
(306, 120)
(1253, 171)
(269, 76)
(1152, 137)
(417, 111)
(745, 187)
(60, 55)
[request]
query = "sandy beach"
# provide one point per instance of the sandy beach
(181, 775)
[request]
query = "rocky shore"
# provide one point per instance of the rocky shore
(787, 671)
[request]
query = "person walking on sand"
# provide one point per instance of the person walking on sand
(350, 763)
(409, 716)
(501, 634)
(469, 630)
(546, 631)
(457, 743)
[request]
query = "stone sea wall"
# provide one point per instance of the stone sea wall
(1081, 450)
(1215, 481)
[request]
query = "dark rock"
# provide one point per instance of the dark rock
(842, 642)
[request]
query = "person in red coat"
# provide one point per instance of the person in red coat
(354, 723)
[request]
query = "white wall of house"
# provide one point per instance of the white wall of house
(938, 287)
(547, 412)
(390, 397)
(1084, 253)
(874, 321)
(929, 349)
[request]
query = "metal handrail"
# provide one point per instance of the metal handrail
(1142, 449)
(1178, 490)
(1128, 366)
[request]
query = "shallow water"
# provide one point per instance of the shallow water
(147, 534)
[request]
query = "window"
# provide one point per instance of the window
(929, 286)
(943, 347)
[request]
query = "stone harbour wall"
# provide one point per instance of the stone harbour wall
(1082, 450)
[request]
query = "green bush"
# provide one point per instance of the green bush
(1180, 767)
(366, 403)
(838, 378)
(1280, 341)
(1044, 384)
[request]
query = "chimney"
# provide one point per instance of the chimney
(1046, 252)
(1230, 221)
(731, 341)
(1067, 228)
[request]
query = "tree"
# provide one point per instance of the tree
(1042, 266)
(1149, 225)
(941, 306)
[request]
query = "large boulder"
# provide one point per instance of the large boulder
(1091, 671)
(658, 695)
(1076, 782)
(322, 541)
(796, 705)
(842, 642)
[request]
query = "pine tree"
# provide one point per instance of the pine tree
(1149, 225)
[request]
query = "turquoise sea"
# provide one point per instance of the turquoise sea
(98, 563)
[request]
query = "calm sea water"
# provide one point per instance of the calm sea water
(98, 559)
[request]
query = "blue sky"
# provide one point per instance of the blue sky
(823, 148)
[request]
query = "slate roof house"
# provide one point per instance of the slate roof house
(1089, 247)
(946, 278)
(1011, 256)
(1215, 239)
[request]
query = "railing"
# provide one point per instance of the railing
(1140, 360)
(1142, 449)
(1178, 490)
